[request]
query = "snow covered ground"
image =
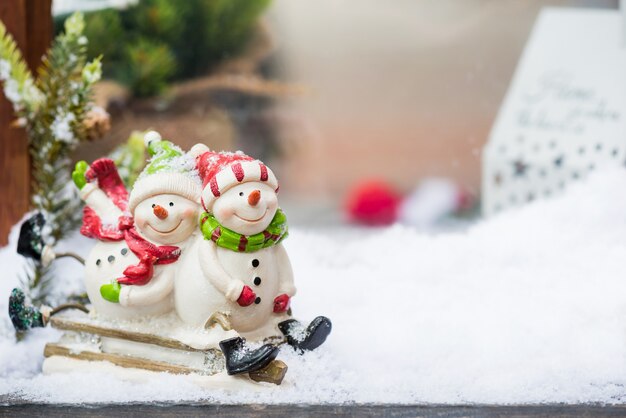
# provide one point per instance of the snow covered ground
(526, 307)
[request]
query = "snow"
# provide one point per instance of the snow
(180, 163)
(60, 7)
(5, 69)
(61, 127)
(525, 307)
(12, 91)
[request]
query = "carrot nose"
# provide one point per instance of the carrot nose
(160, 212)
(254, 197)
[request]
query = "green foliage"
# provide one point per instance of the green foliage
(149, 65)
(36, 280)
(65, 80)
(130, 158)
(19, 86)
(105, 33)
(219, 28)
(158, 19)
(52, 108)
(187, 37)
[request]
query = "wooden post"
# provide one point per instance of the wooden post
(30, 23)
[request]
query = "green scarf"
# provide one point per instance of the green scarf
(226, 238)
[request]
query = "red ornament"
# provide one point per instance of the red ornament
(373, 202)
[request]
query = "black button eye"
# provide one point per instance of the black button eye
(240, 193)
(153, 205)
(171, 204)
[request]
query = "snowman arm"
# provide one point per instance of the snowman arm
(97, 200)
(213, 271)
(285, 272)
(159, 287)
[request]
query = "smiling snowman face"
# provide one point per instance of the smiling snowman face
(166, 218)
(246, 208)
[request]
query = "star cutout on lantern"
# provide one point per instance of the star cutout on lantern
(558, 162)
(519, 168)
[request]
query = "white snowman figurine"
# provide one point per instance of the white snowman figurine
(129, 274)
(240, 268)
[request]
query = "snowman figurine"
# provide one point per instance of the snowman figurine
(127, 274)
(241, 269)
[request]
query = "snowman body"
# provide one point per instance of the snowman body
(108, 259)
(107, 262)
(197, 298)
(216, 272)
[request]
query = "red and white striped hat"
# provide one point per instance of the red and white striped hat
(220, 171)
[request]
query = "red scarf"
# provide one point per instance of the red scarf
(148, 253)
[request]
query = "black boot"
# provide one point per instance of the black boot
(241, 359)
(309, 338)
(30, 243)
(22, 316)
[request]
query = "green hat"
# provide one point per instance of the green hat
(169, 171)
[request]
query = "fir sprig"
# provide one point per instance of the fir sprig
(19, 86)
(53, 109)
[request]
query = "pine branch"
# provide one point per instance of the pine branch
(19, 86)
(54, 108)
(66, 80)
(37, 279)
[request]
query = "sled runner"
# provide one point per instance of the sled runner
(136, 346)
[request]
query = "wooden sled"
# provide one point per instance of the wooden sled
(128, 350)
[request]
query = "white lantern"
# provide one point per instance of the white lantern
(564, 114)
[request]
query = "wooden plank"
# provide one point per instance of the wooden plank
(119, 360)
(69, 325)
(30, 23)
(25, 409)
(39, 31)
(14, 159)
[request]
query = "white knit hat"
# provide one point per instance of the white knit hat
(169, 171)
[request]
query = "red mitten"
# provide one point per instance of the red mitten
(247, 297)
(281, 303)
(109, 181)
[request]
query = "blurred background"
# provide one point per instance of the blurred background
(340, 97)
